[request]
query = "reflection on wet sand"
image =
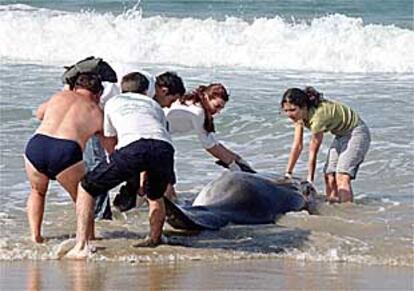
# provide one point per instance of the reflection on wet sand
(78, 275)
(248, 274)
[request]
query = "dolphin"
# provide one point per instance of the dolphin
(242, 198)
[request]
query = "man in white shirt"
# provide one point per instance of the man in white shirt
(94, 153)
(136, 124)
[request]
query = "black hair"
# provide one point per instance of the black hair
(89, 81)
(307, 97)
(134, 82)
(172, 82)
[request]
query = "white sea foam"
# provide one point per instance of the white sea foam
(332, 43)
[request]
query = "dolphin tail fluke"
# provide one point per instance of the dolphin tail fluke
(193, 217)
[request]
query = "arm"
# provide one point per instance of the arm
(208, 140)
(109, 138)
(143, 176)
(222, 153)
(108, 142)
(315, 143)
(40, 112)
(296, 148)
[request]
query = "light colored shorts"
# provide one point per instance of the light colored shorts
(347, 152)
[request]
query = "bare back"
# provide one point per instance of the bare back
(73, 115)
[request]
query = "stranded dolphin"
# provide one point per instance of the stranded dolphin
(241, 198)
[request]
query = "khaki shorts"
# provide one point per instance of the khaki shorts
(347, 152)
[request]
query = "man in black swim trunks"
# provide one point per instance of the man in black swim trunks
(54, 152)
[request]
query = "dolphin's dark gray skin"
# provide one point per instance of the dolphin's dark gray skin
(241, 198)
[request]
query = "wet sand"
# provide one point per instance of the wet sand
(276, 274)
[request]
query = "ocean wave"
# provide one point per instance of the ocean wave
(334, 43)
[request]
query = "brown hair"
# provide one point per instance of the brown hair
(134, 82)
(214, 90)
(91, 82)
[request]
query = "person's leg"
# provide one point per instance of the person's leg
(103, 178)
(84, 214)
(331, 188)
(69, 179)
(93, 155)
(329, 172)
(355, 146)
(156, 219)
(159, 174)
(345, 193)
(153, 186)
(36, 201)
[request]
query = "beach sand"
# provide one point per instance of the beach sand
(245, 274)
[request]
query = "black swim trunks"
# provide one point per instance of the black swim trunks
(50, 155)
(156, 157)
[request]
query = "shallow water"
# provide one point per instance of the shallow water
(377, 229)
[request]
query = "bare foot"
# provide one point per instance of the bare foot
(38, 239)
(64, 247)
(79, 252)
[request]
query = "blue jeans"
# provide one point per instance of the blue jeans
(93, 155)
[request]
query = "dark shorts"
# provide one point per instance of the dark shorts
(50, 155)
(156, 157)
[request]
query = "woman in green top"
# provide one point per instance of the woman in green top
(307, 108)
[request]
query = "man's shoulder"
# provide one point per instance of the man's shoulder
(129, 96)
(129, 99)
(65, 98)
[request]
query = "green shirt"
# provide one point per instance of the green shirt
(331, 116)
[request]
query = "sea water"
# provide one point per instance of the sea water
(356, 52)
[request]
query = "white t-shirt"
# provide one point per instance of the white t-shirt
(184, 118)
(110, 90)
(132, 116)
